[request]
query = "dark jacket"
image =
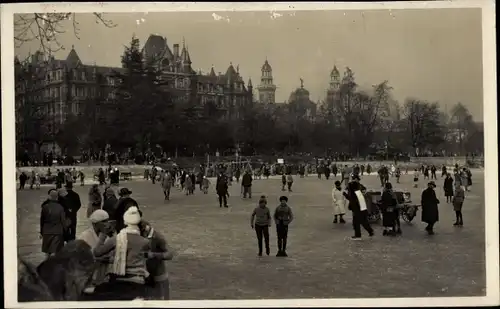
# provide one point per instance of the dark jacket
(388, 205)
(246, 181)
(122, 205)
(352, 187)
(73, 204)
(283, 215)
(448, 186)
(109, 205)
(52, 219)
(221, 186)
(430, 212)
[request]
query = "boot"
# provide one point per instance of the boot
(342, 219)
(335, 220)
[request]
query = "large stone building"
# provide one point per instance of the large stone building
(227, 90)
(61, 87)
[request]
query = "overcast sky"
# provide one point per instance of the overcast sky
(433, 54)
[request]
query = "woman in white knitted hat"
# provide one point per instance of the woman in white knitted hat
(128, 270)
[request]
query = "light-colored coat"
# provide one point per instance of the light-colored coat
(338, 201)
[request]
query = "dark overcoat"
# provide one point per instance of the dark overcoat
(430, 212)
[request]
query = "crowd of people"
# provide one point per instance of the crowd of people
(129, 254)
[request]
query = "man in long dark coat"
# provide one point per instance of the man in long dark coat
(222, 189)
(72, 204)
(430, 212)
(52, 224)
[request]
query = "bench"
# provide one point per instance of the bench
(125, 175)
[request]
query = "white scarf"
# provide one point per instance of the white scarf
(361, 200)
(120, 261)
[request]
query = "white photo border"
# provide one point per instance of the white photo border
(490, 134)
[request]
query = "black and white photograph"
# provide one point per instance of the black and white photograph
(250, 154)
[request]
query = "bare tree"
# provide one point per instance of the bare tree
(462, 124)
(424, 127)
(46, 28)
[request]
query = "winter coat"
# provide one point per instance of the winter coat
(430, 211)
(458, 199)
(448, 186)
(338, 202)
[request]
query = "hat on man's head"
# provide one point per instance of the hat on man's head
(99, 215)
(432, 183)
(283, 198)
(124, 191)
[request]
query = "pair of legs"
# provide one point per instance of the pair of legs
(262, 232)
(282, 233)
(166, 192)
(430, 228)
(222, 199)
(460, 220)
(361, 219)
(289, 186)
(340, 217)
(247, 191)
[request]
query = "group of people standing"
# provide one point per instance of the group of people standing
(129, 253)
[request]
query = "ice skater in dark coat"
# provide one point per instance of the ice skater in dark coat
(430, 211)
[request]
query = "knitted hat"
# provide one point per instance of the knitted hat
(132, 216)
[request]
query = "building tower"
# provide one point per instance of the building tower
(334, 87)
(267, 89)
(250, 91)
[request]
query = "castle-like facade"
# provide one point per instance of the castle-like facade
(61, 86)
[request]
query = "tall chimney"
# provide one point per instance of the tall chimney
(176, 50)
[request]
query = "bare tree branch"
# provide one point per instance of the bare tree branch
(47, 27)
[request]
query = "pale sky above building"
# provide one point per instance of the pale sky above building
(432, 54)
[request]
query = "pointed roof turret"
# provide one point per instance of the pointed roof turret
(212, 71)
(335, 71)
(231, 72)
(73, 60)
(266, 67)
(250, 82)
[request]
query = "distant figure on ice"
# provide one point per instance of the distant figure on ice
(430, 211)
(246, 184)
(357, 204)
(338, 201)
(222, 189)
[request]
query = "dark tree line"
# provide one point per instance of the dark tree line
(144, 113)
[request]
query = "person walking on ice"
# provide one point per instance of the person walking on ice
(283, 216)
(261, 221)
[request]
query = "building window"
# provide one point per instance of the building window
(83, 75)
